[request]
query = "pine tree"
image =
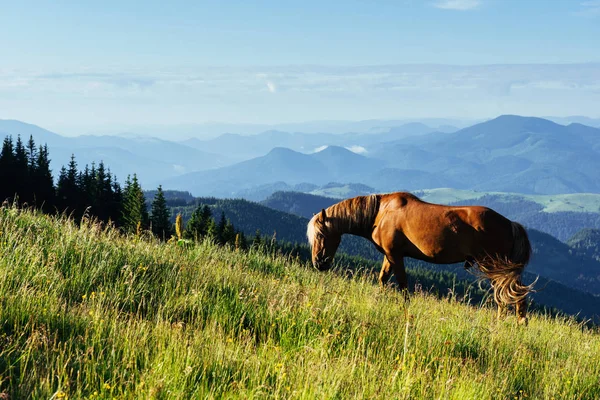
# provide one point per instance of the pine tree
(115, 210)
(103, 195)
(32, 178)
(211, 229)
(228, 235)
(20, 172)
(68, 192)
(197, 224)
(7, 162)
(134, 206)
(257, 240)
(45, 192)
(221, 227)
(161, 225)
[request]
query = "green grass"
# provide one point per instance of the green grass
(87, 313)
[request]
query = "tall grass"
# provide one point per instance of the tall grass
(88, 313)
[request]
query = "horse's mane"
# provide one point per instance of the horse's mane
(355, 215)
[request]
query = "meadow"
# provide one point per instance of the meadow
(88, 313)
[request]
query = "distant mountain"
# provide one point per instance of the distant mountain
(508, 153)
(577, 119)
(13, 128)
(280, 164)
(152, 159)
(242, 147)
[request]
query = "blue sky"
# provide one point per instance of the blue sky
(118, 65)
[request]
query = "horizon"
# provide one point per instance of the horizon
(213, 129)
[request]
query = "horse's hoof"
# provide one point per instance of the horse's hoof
(523, 321)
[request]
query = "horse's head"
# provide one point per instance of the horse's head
(323, 239)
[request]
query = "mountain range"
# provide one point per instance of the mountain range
(151, 158)
(509, 153)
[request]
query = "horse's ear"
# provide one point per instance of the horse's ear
(323, 215)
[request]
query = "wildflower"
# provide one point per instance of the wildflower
(61, 395)
(106, 386)
(229, 340)
(84, 297)
(179, 226)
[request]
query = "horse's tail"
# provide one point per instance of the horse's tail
(505, 273)
(521, 250)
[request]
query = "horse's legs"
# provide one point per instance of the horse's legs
(400, 272)
(501, 311)
(384, 274)
(522, 312)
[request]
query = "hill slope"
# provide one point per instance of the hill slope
(86, 312)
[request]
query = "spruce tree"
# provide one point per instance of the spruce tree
(68, 191)
(221, 227)
(196, 225)
(134, 205)
(161, 224)
(7, 165)
(32, 177)
(45, 192)
(115, 210)
(20, 172)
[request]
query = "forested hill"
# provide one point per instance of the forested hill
(250, 217)
(303, 204)
(586, 241)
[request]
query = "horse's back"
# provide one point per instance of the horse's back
(442, 233)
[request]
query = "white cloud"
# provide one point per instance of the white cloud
(461, 5)
(271, 86)
(357, 149)
(320, 148)
(589, 8)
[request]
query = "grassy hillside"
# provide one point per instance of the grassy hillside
(87, 313)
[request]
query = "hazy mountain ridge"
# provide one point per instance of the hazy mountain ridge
(152, 159)
(509, 154)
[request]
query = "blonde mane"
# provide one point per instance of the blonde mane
(355, 215)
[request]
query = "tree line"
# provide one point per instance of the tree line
(26, 179)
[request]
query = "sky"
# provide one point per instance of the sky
(81, 67)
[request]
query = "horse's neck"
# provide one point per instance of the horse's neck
(354, 216)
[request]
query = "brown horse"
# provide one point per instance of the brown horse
(401, 225)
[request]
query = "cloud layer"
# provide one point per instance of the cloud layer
(302, 93)
(461, 5)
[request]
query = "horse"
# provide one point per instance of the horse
(401, 225)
